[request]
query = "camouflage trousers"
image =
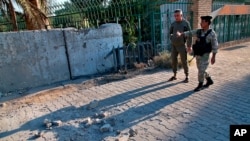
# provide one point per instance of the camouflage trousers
(202, 65)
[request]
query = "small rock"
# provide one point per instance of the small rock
(118, 132)
(96, 115)
(85, 121)
(49, 128)
(57, 122)
(123, 137)
(46, 121)
(97, 121)
(132, 132)
(38, 134)
(105, 128)
(104, 114)
(3, 104)
(88, 122)
(93, 104)
(48, 125)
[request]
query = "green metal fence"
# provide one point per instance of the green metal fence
(230, 27)
(220, 3)
(141, 20)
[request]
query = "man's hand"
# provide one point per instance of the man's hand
(189, 50)
(178, 34)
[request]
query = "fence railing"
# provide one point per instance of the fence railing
(232, 27)
(220, 3)
(141, 20)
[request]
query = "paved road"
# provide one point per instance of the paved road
(157, 109)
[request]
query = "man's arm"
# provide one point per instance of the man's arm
(189, 38)
(191, 33)
(171, 30)
(215, 45)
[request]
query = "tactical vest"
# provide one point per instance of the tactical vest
(201, 46)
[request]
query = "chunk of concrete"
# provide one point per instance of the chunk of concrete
(106, 128)
(93, 104)
(57, 122)
(132, 132)
(123, 137)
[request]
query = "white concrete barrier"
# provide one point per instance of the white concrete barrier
(87, 49)
(35, 58)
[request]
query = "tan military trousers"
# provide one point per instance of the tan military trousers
(202, 63)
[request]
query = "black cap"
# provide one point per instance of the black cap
(207, 18)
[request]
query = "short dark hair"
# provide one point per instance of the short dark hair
(178, 11)
(207, 19)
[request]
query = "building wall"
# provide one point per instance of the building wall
(200, 8)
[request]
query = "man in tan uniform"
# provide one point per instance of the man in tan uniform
(178, 43)
(205, 44)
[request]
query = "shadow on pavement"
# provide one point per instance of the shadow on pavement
(75, 115)
(234, 47)
(226, 106)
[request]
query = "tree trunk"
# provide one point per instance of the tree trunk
(41, 22)
(13, 16)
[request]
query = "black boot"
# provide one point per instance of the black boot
(209, 82)
(199, 87)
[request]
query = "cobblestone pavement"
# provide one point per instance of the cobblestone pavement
(146, 103)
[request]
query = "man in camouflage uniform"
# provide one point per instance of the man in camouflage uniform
(202, 60)
(178, 43)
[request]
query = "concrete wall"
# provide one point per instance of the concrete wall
(88, 49)
(35, 58)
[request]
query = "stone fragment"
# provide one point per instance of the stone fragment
(104, 114)
(57, 122)
(97, 121)
(123, 137)
(46, 121)
(48, 125)
(118, 132)
(132, 132)
(88, 122)
(105, 128)
(93, 104)
(3, 104)
(38, 134)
